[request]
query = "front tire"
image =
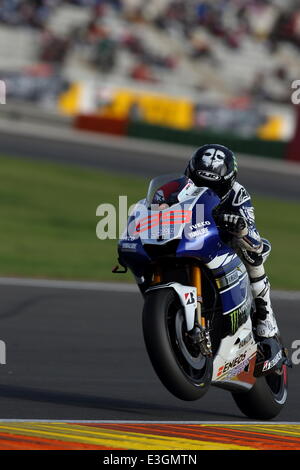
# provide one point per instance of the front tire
(267, 397)
(184, 371)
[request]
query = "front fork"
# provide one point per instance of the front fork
(196, 276)
(200, 332)
(196, 279)
(197, 330)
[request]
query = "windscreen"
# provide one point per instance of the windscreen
(164, 189)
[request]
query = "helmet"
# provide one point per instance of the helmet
(213, 166)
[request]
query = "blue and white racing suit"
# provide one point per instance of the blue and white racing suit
(253, 250)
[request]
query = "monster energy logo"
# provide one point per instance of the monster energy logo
(239, 315)
(234, 318)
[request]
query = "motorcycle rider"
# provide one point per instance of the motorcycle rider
(215, 166)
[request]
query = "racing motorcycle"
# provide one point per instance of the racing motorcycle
(199, 313)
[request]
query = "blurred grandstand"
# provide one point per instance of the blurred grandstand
(234, 60)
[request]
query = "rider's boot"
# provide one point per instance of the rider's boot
(267, 333)
(266, 325)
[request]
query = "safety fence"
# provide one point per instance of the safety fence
(125, 127)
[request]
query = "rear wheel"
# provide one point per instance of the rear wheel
(267, 397)
(179, 364)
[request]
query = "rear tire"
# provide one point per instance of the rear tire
(186, 374)
(267, 397)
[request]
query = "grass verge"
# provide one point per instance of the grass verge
(48, 223)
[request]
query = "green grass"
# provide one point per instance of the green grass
(279, 222)
(48, 219)
(48, 223)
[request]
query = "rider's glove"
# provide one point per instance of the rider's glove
(233, 223)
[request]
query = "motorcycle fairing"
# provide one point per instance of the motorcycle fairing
(233, 285)
(198, 239)
(188, 299)
(234, 362)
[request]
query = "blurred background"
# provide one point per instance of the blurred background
(225, 65)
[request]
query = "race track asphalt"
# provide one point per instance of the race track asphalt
(131, 161)
(79, 354)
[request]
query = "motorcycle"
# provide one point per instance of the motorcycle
(199, 313)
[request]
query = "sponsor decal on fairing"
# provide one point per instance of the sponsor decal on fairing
(233, 367)
(246, 340)
(269, 364)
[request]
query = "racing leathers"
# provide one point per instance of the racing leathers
(235, 216)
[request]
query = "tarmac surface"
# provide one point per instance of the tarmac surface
(135, 158)
(79, 354)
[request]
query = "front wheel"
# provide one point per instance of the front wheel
(181, 367)
(267, 397)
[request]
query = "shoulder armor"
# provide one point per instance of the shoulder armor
(239, 195)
